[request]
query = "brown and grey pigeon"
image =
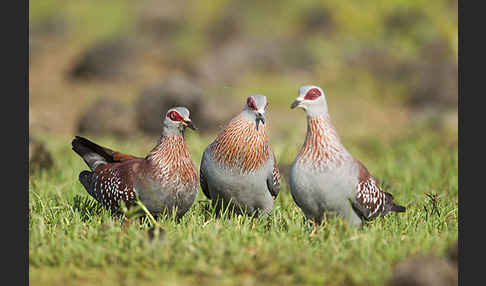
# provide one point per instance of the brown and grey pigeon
(166, 179)
(238, 169)
(325, 177)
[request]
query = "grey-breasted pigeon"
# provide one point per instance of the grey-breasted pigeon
(238, 169)
(325, 177)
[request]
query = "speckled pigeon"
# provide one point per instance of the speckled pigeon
(325, 178)
(166, 179)
(239, 169)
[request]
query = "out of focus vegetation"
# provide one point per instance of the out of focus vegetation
(109, 70)
(376, 60)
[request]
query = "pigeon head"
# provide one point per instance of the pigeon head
(312, 99)
(255, 108)
(177, 119)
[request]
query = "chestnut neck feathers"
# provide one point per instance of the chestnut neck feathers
(322, 148)
(171, 162)
(240, 145)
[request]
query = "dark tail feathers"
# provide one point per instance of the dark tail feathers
(92, 153)
(85, 179)
(398, 209)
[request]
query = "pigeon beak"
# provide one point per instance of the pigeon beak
(296, 103)
(260, 117)
(189, 124)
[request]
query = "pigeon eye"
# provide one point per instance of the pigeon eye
(251, 103)
(174, 116)
(312, 94)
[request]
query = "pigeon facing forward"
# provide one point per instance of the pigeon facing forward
(325, 177)
(164, 180)
(238, 169)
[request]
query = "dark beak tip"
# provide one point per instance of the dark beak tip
(295, 104)
(258, 120)
(191, 125)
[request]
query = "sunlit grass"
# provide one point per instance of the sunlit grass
(72, 240)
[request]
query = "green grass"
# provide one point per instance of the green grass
(73, 241)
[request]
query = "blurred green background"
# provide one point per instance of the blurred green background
(387, 67)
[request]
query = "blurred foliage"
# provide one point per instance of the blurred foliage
(392, 52)
(403, 26)
(89, 20)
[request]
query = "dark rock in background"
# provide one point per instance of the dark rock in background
(228, 62)
(157, 99)
(39, 156)
(208, 113)
(317, 19)
(436, 83)
(104, 60)
(235, 58)
(421, 270)
(107, 116)
(218, 111)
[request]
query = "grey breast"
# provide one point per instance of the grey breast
(326, 190)
(244, 189)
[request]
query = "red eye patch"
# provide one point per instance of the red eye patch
(313, 93)
(175, 116)
(251, 103)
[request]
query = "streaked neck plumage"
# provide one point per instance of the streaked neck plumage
(240, 145)
(171, 161)
(322, 148)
